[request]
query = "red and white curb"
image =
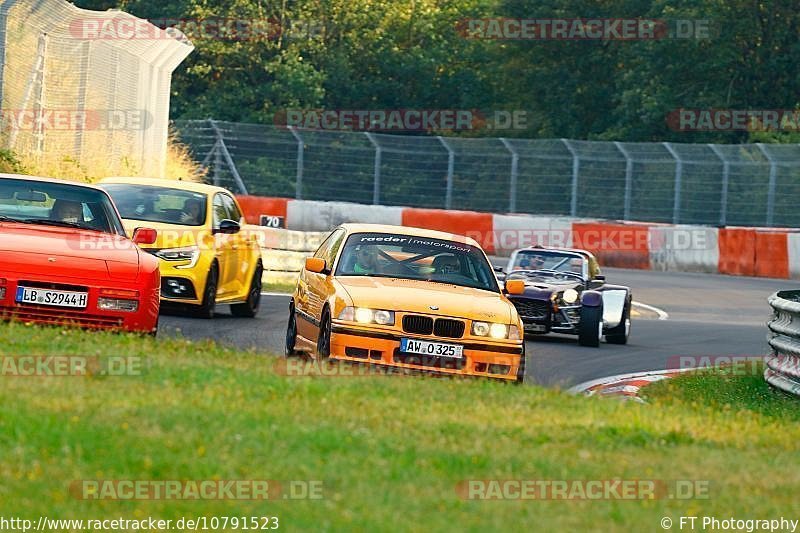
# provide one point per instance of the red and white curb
(624, 386)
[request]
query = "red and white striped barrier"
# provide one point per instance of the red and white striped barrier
(762, 252)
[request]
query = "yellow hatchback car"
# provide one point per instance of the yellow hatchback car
(408, 298)
(206, 258)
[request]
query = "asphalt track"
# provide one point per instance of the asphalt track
(708, 315)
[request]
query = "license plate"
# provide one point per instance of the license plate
(434, 349)
(28, 295)
(535, 327)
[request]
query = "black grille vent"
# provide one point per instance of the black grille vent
(422, 325)
(445, 327)
(528, 308)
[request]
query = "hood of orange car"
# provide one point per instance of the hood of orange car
(418, 297)
(40, 249)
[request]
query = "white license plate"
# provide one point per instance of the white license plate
(28, 295)
(434, 349)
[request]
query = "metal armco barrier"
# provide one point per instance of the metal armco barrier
(783, 366)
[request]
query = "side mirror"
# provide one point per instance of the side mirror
(515, 286)
(228, 227)
(599, 278)
(315, 264)
(144, 236)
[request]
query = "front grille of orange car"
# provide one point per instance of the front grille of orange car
(427, 361)
(445, 327)
(441, 327)
(422, 325)
(44, 315)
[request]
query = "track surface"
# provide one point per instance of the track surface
(708, 315)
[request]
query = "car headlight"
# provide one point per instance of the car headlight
(494, 330)
(570, 296)
(188, 253)
(364, 315)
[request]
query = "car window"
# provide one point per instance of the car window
(330, 246)
(220, 210)
(233, 211)
(420, 258)
(158, 204)
(58, 204)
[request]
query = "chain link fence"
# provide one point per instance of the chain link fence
(749, 184)
(77, 84)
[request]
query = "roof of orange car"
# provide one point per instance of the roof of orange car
(193, 186)
(406, 230)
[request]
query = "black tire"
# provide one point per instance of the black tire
(620, 333)
(590, 330)
(291, 334)
(522, 363)
(206, 309)
(324, 339)
(249, 309)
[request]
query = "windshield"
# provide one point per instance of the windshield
(549, 260)
(57, 204)
(407, 257)
(158, 204)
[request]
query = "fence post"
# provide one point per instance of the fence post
(773, 176)
(626, 213)
(676, 202)
(576, 170)
(376, 184)
(301, 151)
(512, 193)
(223, 150)
(726, 172)
(451, 164)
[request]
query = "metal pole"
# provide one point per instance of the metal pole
(512, 194)
(773, 177)
(576, 170)
(451, 164)
(676, 202)
(376, 184)
(221, 148)
(726, 172)
(628, 180)
(301, 150)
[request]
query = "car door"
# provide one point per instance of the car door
(314, 288)
(224, 247)
(239, 256)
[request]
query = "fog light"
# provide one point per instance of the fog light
(499, 369)
(116, 304)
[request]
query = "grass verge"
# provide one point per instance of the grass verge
(390, 451)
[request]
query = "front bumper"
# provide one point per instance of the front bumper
(565, 319)
(381, 347)
(143, 320)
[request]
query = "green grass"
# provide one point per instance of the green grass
(284, 288)
(389, 450)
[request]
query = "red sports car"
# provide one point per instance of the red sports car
(65, 258)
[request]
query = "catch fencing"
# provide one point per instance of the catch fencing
(73, 89)
(783, 366)
(678, 183)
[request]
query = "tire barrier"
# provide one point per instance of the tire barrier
(783, 365)
(762, 252)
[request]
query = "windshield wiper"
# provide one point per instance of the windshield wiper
(61, 223)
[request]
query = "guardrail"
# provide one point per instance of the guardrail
(783, 366)
(283, 252)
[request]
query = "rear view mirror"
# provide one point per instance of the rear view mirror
(228, 227)
(144, 236)
(31, 196)
(315, 264)
(599, 278)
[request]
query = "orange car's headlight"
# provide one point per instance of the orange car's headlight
(364, 315)
(495, 330)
